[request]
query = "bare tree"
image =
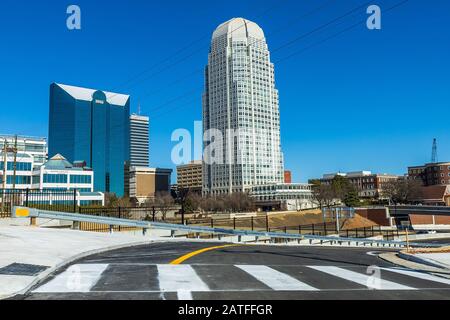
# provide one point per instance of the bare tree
(113, 201)
(402, 191)
(324, 195)
(163, 200)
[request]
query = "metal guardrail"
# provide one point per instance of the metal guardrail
(145, 225)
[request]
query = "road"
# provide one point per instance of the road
(237, 272)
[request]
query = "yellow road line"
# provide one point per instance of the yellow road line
(194, 253)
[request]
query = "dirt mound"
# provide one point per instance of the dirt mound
(357, 222)
(292, 219)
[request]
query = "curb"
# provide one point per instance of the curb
(428, 262)
(43, 275)
(393, 258)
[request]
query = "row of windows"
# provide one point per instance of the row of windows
(55, 178)
(20, 166)
(82, 179)
(18, 180)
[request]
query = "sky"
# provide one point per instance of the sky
(350, 98)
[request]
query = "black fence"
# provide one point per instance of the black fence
(255, 223)
(156, 214)
(262, 223)
(66, 201)
(54, 200)
(330, 228)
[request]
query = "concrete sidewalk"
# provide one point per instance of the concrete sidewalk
(29, 254)
(436, 263)
(437, 259)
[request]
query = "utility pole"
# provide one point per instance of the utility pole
(15, 162)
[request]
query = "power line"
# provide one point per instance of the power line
(320, 28)
(315, 30)
(311, 12)
(351, 27)
(269, 10)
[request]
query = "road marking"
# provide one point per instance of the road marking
(179, 278)
(77, 278)
(184, 295)
(420, 275)
(197, 252)
(363, 279)
(275, 279)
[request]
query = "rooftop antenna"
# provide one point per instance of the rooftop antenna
(434, 156)
(139, 108)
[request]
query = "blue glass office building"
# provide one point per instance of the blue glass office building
(92, 125)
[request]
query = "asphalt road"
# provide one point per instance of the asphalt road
(238, 272)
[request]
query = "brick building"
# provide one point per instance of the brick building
(287, 176)
(431, 174)
(368, 184)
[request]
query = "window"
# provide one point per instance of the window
(80, 179)
(55, 178)
(20, 166)
(18, 180)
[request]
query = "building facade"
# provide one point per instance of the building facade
(94, 126)
(241, 118)
(34, 146)
(59, 174)
(283, 196)
(431, 174)
(366, 183)
(287, 176)
(20, 178)
(436, 195)
(146, 182)
(189, 176)
(139, 141)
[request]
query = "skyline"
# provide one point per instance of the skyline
(379, 61)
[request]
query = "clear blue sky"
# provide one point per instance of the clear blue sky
(363, 100)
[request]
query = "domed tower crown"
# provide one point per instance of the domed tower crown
(239, 28)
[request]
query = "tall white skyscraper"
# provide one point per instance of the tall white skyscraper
(139, 141)
(241, 102)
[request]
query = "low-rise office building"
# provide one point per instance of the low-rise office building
(283, 196)
(36, 147)
(431, 174)
(189, 176)
(58, 174)
(366, 183)
(146, 182)
(20, 176)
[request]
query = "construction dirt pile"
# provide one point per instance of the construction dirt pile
(295, 218)
(357, 222)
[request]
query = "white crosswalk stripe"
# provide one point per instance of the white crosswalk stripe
(420, 275)
(371, 281)
(187, 279)
(179, 278)
(77, 278)
(275, 279)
